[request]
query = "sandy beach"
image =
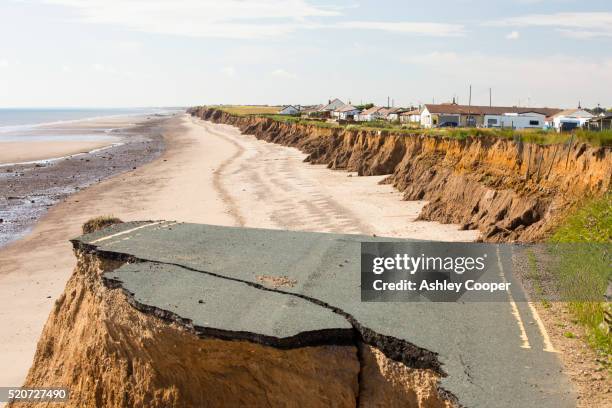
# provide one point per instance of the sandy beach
(207, 174)
(17, 152)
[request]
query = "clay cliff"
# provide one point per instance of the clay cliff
(111, 351)
(507, 189)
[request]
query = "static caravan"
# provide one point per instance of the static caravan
(523, 120)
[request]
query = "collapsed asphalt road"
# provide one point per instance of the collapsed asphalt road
(209, 278)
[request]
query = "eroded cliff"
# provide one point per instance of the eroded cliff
(509, 190)
(111, 350)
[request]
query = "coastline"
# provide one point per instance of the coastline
(49, 170)
(207, 174)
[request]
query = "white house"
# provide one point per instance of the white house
(452, 114)
(412, 116)
(393, 114)
(370, 114)
(516, 120)
(289, 110)
(346, 112)
(332, 105)
(570, 119)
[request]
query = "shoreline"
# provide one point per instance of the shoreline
(207, 174)
(54, 159)
(35, 152)
(29, 188)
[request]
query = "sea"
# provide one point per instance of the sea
(21, 119)
(29, 189)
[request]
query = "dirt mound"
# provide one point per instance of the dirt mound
(510, 191)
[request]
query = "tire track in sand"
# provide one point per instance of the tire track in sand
(219, 173)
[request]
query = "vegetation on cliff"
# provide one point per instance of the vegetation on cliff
(583, 268)
(537, 136)
(508, 189)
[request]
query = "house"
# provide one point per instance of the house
(601, 122)
(569, 119)
(452, 114)
(385, 112)
(370, 114)
(289, 110)
(394, 114)
(411, 117)
(332, 105)
(346, 112)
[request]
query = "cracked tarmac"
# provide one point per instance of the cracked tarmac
(206, 278)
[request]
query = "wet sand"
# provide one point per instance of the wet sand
(17, 152)
(29, 189)
(207, 174)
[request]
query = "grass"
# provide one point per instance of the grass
(535, 277)
(99, 223)
(582, 245)
(537, 136)
(242, 110)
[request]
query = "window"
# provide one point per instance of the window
(534, 123)
(491, 122)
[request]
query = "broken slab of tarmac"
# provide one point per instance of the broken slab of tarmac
(209, 280)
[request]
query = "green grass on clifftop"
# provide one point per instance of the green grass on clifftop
(538, 136)
(583, 244)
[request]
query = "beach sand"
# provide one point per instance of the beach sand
(17, 152)
(207, 174)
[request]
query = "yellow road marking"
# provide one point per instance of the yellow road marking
(548, 346)
(515, 312)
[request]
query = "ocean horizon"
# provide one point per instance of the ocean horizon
(15, 119)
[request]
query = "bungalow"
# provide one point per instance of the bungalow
(601, 122)
(289, 110)
(569, 119)
(411, 116)
(346, 112)
(370, 114)
(332, 105)
(452, 114)
(394, 114)
(385, 112)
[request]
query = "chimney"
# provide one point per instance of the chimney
(328, 101)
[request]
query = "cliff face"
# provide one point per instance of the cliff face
(510, 191)
(110, 354)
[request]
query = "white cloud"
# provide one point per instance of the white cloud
(281, 73)
(417, 28)
(576, 25)
(66, 68)
(111, 70)
(237, 19)
(229, 71)
(129, 45)
(514, 35)
(516, 77)
(200, 18)
(3, 63)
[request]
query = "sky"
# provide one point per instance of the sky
(128, 53)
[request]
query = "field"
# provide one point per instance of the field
(242, 110)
